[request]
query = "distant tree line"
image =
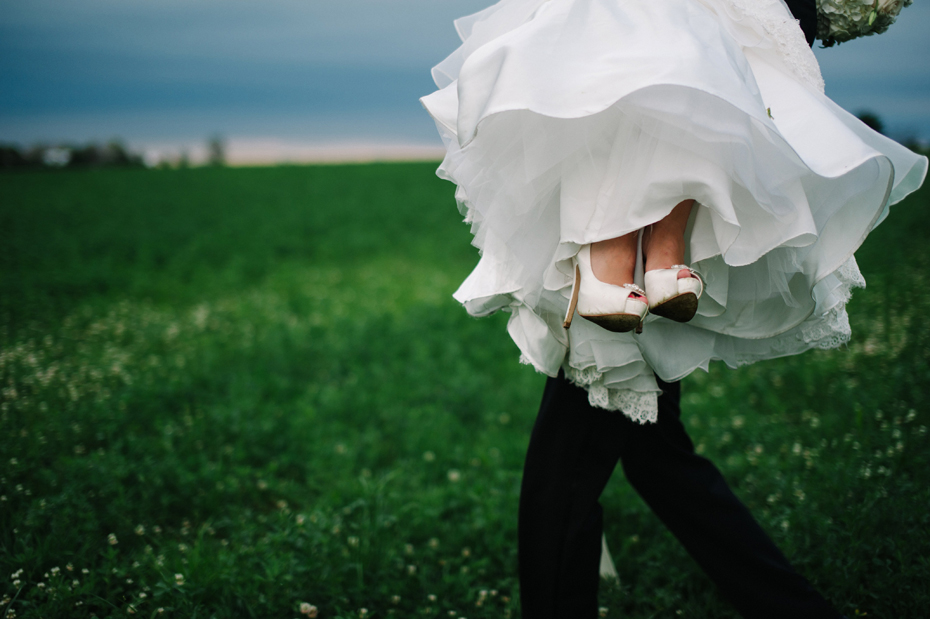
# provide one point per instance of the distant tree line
(93, 155)
(113, 154)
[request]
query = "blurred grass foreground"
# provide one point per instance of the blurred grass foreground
(248, 393)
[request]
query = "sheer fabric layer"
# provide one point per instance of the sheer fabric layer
(572, 121)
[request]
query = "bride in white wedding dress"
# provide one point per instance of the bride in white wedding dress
(572, 125)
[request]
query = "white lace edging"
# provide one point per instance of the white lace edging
(850, 276)
(833, 330)
(641, 407)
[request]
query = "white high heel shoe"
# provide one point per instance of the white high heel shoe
(671, 297)
(606, 305)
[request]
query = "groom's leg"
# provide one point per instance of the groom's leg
(690, 496)
(572, 452)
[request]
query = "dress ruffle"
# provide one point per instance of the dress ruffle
(573, 121)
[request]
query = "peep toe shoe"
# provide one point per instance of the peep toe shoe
(615, 308)
(671, 297)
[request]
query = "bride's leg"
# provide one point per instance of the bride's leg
(614, 260)
(664, 241)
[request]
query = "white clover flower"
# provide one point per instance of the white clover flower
(454, 475)
(843, 20)
(140, 530)
(179, 579)
(111, 539)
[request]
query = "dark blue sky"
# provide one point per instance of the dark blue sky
(309, 69)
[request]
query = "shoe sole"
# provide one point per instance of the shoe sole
(680, 309)
(617, 323)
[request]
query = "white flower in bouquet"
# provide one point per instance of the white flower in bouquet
(843, 20)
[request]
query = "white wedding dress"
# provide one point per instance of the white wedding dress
(573, 121)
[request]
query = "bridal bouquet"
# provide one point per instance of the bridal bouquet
(839, 21)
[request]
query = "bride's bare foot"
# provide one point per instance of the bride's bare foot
(664, 241)
(614, 260)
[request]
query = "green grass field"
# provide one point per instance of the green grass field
(227, 392)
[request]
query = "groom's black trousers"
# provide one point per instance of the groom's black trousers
(574, 449)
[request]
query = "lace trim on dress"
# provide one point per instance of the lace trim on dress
(641, 407)
(789, 39)
(833, 330)
(850, 275)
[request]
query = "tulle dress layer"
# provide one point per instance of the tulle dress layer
(573, 121)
